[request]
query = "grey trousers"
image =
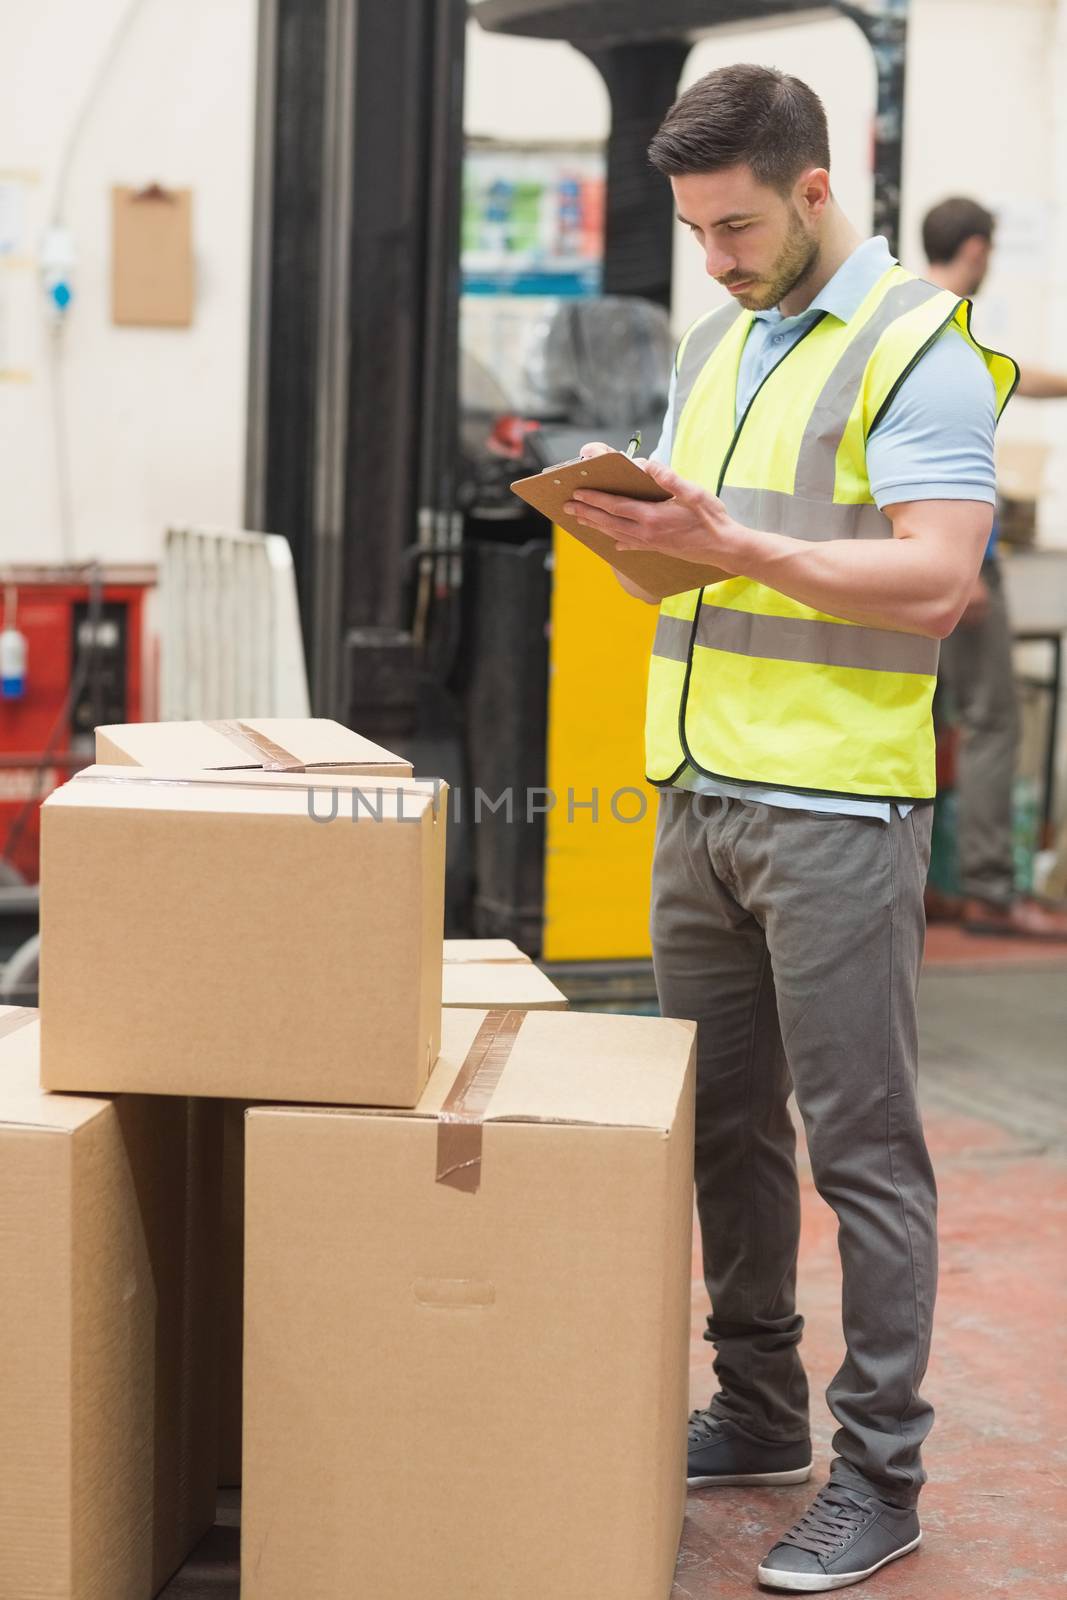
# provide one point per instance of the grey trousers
(976, 668)
(794, 940)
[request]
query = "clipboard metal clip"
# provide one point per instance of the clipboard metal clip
(153, 191)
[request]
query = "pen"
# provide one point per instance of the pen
(634, 445)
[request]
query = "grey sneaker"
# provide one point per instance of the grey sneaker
(721, 1454)
(842, 1538)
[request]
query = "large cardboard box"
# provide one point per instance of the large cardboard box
(108, 1334)
(272, 744)
(466, 1338)
(484, 973)
(244, 937)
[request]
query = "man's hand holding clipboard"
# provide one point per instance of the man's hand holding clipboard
(639, 517)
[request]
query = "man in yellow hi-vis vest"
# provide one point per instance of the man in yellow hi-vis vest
(829, 443)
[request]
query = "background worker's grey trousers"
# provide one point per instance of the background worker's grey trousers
(976, 667)
(794, 940)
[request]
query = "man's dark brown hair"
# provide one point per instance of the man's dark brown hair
(744, 114)
(949, 225)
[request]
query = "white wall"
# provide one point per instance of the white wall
(984, 119)
(155, 417)
(531, 89)
(979, 117)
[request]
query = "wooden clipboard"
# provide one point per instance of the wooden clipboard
(613, 473)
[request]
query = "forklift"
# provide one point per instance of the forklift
(503, 659)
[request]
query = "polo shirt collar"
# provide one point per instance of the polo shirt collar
(849, 286)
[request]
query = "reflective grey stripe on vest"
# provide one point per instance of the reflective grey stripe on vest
(774, 512)
(701, 344)
(828, 644)
(816, 472)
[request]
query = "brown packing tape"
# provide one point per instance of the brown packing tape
(459, 1126)
(17, 1019)
(149, 779)
(270, 756)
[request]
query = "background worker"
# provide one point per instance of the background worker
(976, 658)
(830, 440)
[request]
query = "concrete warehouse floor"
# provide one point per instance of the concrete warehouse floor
(995, 1511)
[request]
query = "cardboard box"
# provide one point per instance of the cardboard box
(483, 973)
(479, 1389)
(108, 1333)
(274, 744)
(1021, 470)
(204, 935)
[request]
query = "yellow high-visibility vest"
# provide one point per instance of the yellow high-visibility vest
(744, 683)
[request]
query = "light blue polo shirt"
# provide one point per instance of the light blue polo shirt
(935, 442)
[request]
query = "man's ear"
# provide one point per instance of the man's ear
(812, 192)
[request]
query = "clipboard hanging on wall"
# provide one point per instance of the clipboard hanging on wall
(152, 257)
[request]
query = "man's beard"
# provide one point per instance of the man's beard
(796, 262)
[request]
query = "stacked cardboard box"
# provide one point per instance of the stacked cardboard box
(429, 1399)
(108, 1224)
(494, 972)
(467, 1229)
(264, 744)
(109, 1427)
(242, 936)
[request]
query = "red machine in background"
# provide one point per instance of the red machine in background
(81, 635)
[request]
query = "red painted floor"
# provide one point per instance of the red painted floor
(948, 945)
(995, 1510)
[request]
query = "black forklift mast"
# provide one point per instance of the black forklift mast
(352, 413)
